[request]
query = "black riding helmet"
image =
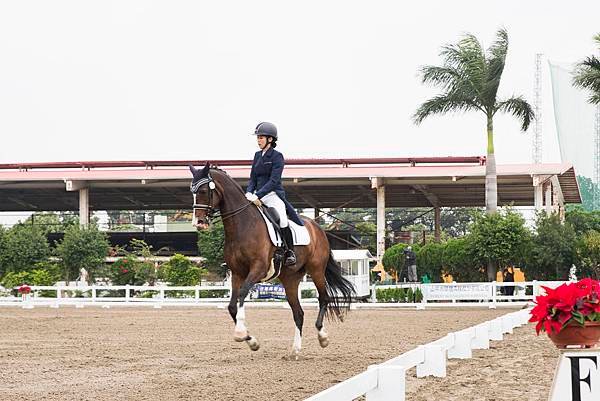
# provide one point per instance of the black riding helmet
(266, 129)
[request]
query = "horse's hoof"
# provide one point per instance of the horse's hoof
(324, 341)
(253, 343)
(295, 356)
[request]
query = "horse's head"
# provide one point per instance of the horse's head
(206, 197)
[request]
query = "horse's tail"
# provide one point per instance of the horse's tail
(339, 290)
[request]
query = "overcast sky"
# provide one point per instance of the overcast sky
(132, 80)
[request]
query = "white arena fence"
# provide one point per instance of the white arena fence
(434, 295)
(387, 381)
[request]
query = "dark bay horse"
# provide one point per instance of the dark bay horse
(248, 252)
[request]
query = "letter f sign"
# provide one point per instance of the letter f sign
(576, 379)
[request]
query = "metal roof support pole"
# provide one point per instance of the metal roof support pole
(378, 184)
(548, 200)
(84, 206)
(438, 223)
(538, 191)
(558, 197)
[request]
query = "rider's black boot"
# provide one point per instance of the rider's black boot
(290, 256)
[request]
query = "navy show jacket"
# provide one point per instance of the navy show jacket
(265, 177)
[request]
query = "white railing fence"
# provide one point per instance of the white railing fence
(387, 381)
(433, 295)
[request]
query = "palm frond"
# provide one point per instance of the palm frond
(518, 107)
(443, 77)
(496, 59)
(587, 76)
(443, 104)
(468, 58)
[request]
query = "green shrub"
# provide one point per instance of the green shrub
(308, 293)
(418, 295)
(179, 270)
(122, 272)
(410, 295)
(429, 259)
(213, 293)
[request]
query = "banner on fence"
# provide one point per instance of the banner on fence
(457, 291)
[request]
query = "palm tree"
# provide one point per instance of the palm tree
(587, 75)
(469, 80)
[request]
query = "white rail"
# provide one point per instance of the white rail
(434, 295)
(387, 381)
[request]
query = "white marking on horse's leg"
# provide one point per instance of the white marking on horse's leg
(323, 338)
(297, 344)
(240, 332)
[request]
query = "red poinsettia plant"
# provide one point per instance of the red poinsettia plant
(24, 289)
(570, 302)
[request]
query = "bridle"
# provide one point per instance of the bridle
(209, 207)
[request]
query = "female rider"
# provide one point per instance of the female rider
(265, 184)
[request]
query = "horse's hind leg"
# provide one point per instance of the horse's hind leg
(291, 283)
(319, 281)
(241, 332)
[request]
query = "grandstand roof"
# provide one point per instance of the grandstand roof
(159, 185)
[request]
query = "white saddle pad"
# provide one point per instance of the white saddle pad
(299, 233)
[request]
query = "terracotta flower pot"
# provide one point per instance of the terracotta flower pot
(574, 334)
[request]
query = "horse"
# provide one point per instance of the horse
(248, 252)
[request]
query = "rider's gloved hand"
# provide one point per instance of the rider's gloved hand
(254, 199)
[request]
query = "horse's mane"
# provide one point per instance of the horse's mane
(215, 169)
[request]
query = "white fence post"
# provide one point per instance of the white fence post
(94, 293)
(197, 294)
(494, 290)
(373, 293)
(482, 336)
(496, 329)
(435, 362)
(391, 384)
(127, 293)
(462, 345)
(507, 324)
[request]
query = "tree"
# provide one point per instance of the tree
(588, 255)
(589, 192)
(553, 249)
(82, 247)
(21, 248)
(587, 75)
(50, 222)
(498, 239)
(469, 79)
(582, 220)
(210, 246)
(458, 261)
(456, 221)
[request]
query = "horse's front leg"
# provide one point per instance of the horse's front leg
(236, 282)
(241, 331)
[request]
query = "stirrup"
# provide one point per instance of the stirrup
(290, 258)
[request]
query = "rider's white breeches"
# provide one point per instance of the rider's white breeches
(272, 200)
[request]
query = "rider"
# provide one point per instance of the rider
(265, 184)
